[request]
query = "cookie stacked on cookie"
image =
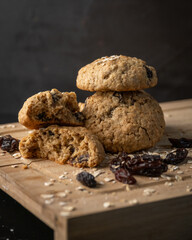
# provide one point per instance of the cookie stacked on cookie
(58, 134)
(120, 113)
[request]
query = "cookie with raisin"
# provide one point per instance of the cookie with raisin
(116, 73)
(73, 145)
(124, 121)
(50, 107)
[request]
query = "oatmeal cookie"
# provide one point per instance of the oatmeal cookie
(50, 107)
(73, 145)
(116, 73)
(124, 121)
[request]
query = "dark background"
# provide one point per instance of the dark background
(43, 44)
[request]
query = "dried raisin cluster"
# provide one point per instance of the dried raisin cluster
(124, 167)
(9, 144)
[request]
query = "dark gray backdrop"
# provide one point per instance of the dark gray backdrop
(43, 43)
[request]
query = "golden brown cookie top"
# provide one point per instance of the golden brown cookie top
(50, 107)
(116, 73)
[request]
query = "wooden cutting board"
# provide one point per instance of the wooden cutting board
(154, 208)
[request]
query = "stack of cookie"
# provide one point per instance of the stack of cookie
(58, 135)
(120, 113)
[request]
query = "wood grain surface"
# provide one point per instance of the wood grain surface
(155, 215)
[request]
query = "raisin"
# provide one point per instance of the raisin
(51, 133)
(55, 97)
(86, 179)
(9, 144)
(43, 117)
(83, 158)
(181, 142)
(123, 175)
(149, 72)
(71, 149)
(176, 157)
(79, 116)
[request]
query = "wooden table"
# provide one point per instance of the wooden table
(154, 208)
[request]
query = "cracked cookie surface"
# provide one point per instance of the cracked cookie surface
(73, 145)
(116, 73)
(50, 107)
(124, 121)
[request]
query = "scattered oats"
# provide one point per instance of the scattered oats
(169, 184)
(62, 177)
(62, 203)
(97, 173)
(52, 180)
(16, 155)
(127, 188)
(148, 191)
(64, 214)
(80, 188)
(61, 194)
(47, 196)
(69, 208)
(167, 177)
(188, 189)
(113, 181)
(47, 184)
(25, 167)
(108, 204)
(2, 126)
(68, 191)
(14, 166)
(101, 183)
(178, 178)
(156, 178)
(10, 126)
(108, 179)
(133, 202)
(167, 115)
(2, 154)
(180, 172)
(49, 201)
(190, 166)
(173, 168)
(189, 161)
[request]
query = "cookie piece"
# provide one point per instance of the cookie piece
(124, 121)
(116, 73)
(73, 145)
(50, 107)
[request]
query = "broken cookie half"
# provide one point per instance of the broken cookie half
(73, 145)
(50, 107)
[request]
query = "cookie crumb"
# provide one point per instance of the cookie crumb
(25, 167)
